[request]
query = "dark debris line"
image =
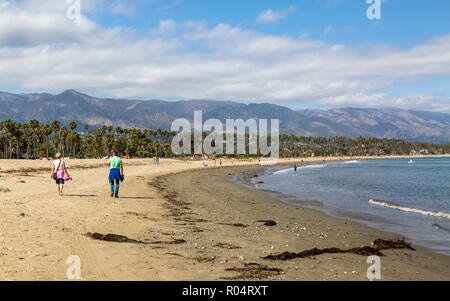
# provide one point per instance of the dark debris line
(378, 245)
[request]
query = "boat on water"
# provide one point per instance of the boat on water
(411, 162)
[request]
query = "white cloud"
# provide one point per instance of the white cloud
(428, 102)
(46, 51)
(37, 22)
(271, 16)
(168, 7)
(166, 27)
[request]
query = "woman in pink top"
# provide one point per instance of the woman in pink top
(59, 167)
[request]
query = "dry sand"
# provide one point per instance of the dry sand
(194, 224)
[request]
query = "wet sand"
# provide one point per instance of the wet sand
(217, 212)
(177, 221)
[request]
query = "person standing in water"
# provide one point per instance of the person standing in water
(295, 168)
(115, 174)
(59, 171)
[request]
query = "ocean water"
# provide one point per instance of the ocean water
(412, 200)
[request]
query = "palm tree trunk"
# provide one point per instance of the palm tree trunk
(47, 147)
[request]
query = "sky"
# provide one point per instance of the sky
(300, 54)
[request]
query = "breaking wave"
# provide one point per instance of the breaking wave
(351, 162)
(408, 209)
(299, 167)
(283, 171)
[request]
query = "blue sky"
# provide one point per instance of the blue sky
(404, 22)
(310, 53)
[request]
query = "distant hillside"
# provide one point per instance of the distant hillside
(351, 122)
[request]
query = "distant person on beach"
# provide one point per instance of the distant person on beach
(59, 171)
(115, 174)
(295, 168)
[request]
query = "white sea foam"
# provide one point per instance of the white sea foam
(298, 167)
(351, 162)
(314, 166)
(283, 171)
(408, 209)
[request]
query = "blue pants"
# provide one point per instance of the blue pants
(117, 187)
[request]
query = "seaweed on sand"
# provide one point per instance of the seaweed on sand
(234, 225)
(113, 238)
(268, 223)
(124, 239)
(253, 271)
(172, 242)
(378, 245)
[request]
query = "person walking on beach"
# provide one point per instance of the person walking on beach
(59, 171)
(115, 174)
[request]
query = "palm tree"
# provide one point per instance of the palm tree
(34, 126)
(47, 131)
(72, 141)
(119, 131)
(63, 132)
(9, 129)
(55, 124)
(73, 125)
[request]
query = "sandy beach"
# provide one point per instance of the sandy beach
(183, 222)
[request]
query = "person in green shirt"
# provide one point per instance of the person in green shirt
(115, 174)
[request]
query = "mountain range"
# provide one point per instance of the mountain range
(432, 127)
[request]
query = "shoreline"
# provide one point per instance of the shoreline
(244, 178)
(322, 231)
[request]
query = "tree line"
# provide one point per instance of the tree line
(342, 146)
(34, 140)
